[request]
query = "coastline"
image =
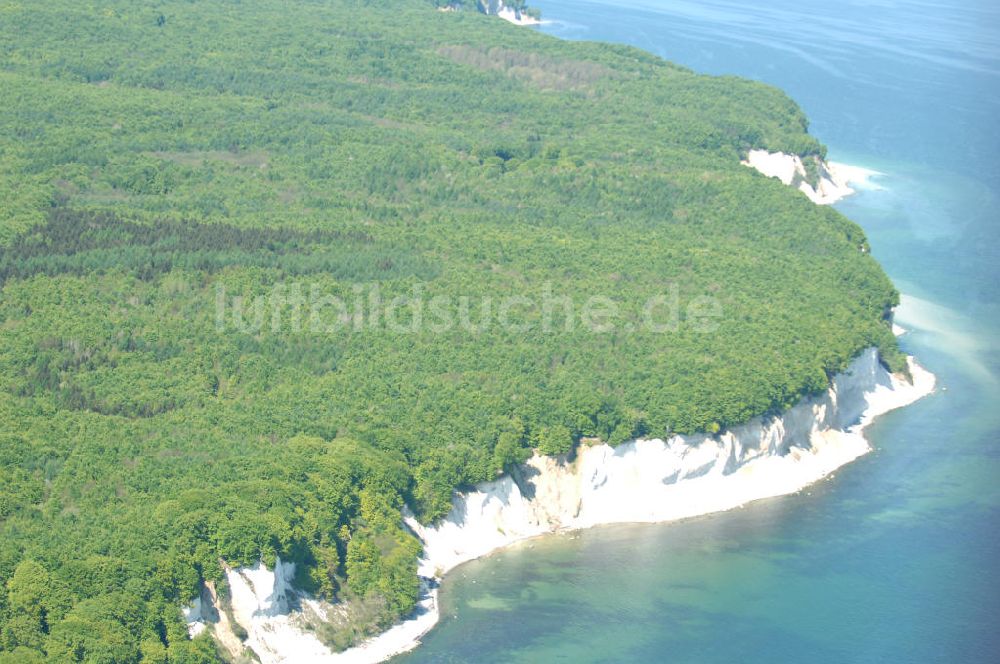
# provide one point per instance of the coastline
(641, 481)
(540, 498)
(516, 17)
(835, 181)
(657, 481)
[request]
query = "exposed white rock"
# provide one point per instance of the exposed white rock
(398, 639)
(684, 476)
(835, 179)
(640, 481)
(279, 620)
(516, 17)
(222, 626)
(194, 618)
(261, 600)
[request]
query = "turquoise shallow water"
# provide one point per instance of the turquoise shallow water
(897, 557)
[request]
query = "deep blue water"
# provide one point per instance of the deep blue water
(897, 557)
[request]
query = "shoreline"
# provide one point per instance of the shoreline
(517, 17)
(836, 180)
(924, 383)
(643, 481)
(513, 513)
(710, 477)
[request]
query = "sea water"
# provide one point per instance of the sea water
(896, 558)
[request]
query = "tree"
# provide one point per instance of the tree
(22, 655)
(33, 594)
(363, 564)
(509, 451)
(554, 440)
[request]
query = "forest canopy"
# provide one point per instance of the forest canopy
(166, 163)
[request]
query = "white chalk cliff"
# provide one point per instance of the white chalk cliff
(516, 16)
(683, 476)
(510, 14)
(640, 481)
(834, 182)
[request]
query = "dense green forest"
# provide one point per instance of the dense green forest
(165, 162)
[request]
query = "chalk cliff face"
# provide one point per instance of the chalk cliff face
(516, 16)
(640, 481)
(266, 619)
(262, 603)
(834, 182)
(684, 476)
(498, 8)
